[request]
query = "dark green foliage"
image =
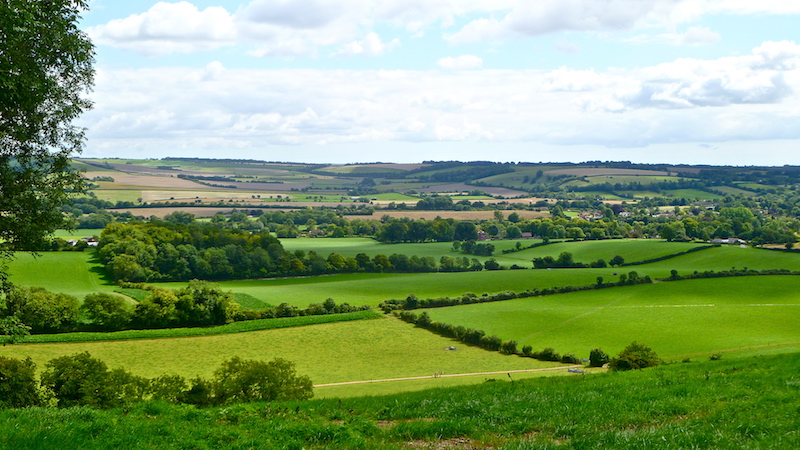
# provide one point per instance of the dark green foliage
(46, 66)
(82, 380)
(634, 356)
(616, 261)
(40, 309)
(598, 358)
(239, 380)
(19, 387)
(509, 347)
(108, 311)
(548, 354)
(12, 330)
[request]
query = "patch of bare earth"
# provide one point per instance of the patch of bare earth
(459, 443)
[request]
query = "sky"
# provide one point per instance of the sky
(346, 81)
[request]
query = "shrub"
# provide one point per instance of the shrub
(239, 380)
(634, 356)
(109, 311)
(42, 310)
(548, 354)
(527, 351)
(570, 359)
(509, 347)
(598, 358)
(18, 385)
(82, 380)
(490, 343)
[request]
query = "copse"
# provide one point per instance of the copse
(43, 311)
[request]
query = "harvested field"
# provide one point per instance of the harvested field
(127, 179)
(198, 211)
(154, 195)
(459, 215)
(593, 172)
(463, 187)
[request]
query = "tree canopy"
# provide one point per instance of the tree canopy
(46, 68)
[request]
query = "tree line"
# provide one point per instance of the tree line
(80, 380)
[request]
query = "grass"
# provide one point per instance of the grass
(73, 273)
(737, 403)
(169, 333)
(331, 352)
(674, 318)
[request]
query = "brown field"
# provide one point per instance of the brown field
(210, 195)
(462, 187)
(458, 215)
(145, 181)
(592, 172)
(198, 211)
(384, 166)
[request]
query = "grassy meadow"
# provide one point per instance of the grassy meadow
(732, 403)
(675, 318)
(328, 353)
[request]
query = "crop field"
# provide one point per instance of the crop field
(676, 319)
(600, 171)
(736, 191)
(691, 193)
(613, 179)
(328, 353)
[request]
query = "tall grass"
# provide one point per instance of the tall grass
(741, 403)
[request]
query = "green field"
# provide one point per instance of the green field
(674, 318)
(73, 273)
(346, 351)
(691, 194)
(79, 273)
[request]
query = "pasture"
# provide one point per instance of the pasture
(328, 353)
(676, 319)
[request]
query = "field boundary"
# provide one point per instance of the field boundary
(172, 333)
(451, 375)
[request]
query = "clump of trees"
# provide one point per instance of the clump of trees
(634, 356)
(80, 380)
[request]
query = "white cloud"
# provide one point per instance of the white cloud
(169, 28)
(746, 97)
(371, 45)
(460, 62)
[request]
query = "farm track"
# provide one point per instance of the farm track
(452, 375)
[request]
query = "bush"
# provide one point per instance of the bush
(42, 310)
(598, 358)
(548, 354)
(82, 380)
(239, 380)
(18, 385)
(634, 356)
(109, 311)
(527, 351)
(509, 347)
(570, 359)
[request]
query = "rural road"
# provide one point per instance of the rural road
(450, 375)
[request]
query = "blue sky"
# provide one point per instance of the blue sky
(337, 81)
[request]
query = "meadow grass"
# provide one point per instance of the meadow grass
(738, 403)
(73, 273)
(692, 193)
(332, 352)
(169, 333)
(674, 318)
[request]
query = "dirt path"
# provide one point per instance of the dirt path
(575, 366)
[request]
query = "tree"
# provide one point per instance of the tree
(82, 380)
(46, 66)
(241, 380)
(634, 356)
(18, 385)
(112, 312)
(597, 358)
(42, 310)
(616, 261)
